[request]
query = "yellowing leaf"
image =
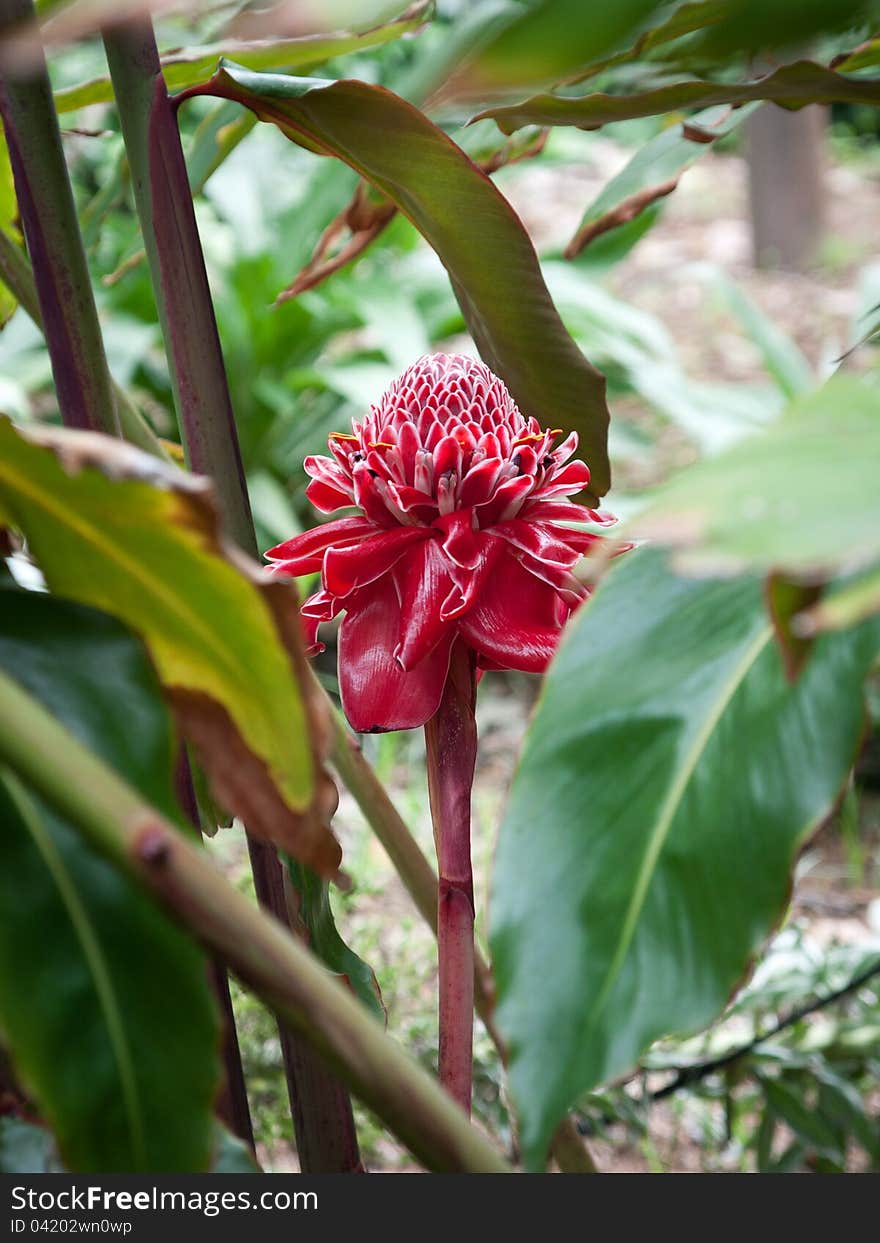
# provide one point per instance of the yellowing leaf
(114, 528)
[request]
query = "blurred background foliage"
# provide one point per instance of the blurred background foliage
(701, 349)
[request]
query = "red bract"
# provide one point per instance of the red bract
(461, 536)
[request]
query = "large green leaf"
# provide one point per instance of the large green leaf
(116, 529)
(668, 780)
(185, 66)
(547, 41)
(793, 86)
(474, 230)
(801, 497)
(104, 1003)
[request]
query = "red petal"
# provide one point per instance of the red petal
(557, 511)
(460, 539)
(368, 497)
(516, 622)
(326, 498)
(543, 541)
(304, 554)
(348, 568)
(318, 608)
(425, 584)
(477, 485)
(376, 693)
(507, 500)
(470, 582)
(570, 479)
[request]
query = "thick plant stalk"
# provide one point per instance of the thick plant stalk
(451, 741)
(232, 1104)
(320, 1107)
(48, 215)
(177, 268)
(323, 1119)
(116, 821)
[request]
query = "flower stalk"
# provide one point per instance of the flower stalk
(451, 743)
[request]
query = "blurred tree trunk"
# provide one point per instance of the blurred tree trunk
(786, 185)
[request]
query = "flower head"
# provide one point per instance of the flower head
(461, 536)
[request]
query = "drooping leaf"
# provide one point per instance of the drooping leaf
(319, 930)
(114, 528)
(186, 66)
(668, 780)
(477, 235)
(104, 1003)
(793, 86)
(655, 166)
(801, 497)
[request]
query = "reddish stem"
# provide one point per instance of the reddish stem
(451, 740)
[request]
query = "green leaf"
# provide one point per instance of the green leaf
(844, 1104)
(793, 86)
(320, 932)
(545, 40)
(668, 780)
(104, 1003)
(782, 357)
(187, 66)
(654, 166)
(800, 498)
(114, 528)
(804, 1121)
(477, 235)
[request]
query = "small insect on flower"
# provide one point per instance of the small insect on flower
(462, 536)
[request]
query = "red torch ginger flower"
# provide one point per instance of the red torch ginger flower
(460, 538)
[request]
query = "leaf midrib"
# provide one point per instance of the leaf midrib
(668, 811)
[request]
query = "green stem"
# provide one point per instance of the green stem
(48, 214)
(16, 275)
(177, 267)
(117, 822)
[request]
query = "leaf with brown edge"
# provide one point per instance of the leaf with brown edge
(473, 229)
(117, 529)
(792, 87)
